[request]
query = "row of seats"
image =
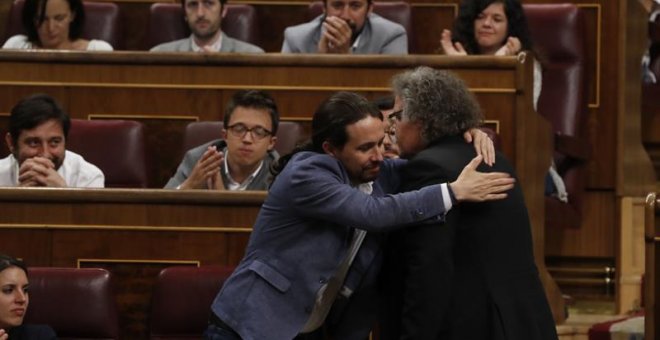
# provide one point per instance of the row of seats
(118, 147)
(180, 302)
(166, 21)
(557, 30)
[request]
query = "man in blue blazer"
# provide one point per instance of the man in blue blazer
(347, 26)
(324, 195)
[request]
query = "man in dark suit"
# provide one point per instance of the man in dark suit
(312, 245)
(473, 277)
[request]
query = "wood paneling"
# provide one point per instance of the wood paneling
(600, 215)
(652, 279)
(132, 233)
(635, 175)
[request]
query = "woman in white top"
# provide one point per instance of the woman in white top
(491, 27)
(54, 24)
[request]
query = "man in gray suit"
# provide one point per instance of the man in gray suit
(240, 161)
(204, 18)
(311, 266)
(347, 26)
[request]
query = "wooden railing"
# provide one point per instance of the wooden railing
(652, 275)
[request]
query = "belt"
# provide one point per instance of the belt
(216, 321)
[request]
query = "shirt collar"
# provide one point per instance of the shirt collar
(366, 188)
(216, 46)
(231, 183)
(355, 43)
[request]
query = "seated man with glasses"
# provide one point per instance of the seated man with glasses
(242, 159)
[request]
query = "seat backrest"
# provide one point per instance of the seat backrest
(102, 21)
(181, 300)
(166, 23)
(396, 11)
(117, 147)
(198, 133)
(557, 31)
(78, 303)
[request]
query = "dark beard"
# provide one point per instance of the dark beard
(355, 33)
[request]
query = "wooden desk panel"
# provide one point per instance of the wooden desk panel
(166, 91)
(132, 233)
(652, 258)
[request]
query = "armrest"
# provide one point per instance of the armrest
(572, 146)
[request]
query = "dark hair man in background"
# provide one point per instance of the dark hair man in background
(38, 128)
(204, 17)
(386, 107)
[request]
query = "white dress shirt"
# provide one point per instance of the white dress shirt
(76, 172)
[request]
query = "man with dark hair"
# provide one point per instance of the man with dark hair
(472, 276)
(347, 26)
(311, 264)
(386, 107)
(242, 158)
(204, 17)
(38, 128)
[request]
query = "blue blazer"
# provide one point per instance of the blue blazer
(302, 233)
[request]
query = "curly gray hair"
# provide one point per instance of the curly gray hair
(439, 100)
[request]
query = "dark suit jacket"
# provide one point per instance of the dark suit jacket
(32, 332)
(302, 233)
(475, 277)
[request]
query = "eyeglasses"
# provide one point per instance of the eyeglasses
(391, 132)
(395, 116)
(239, 130)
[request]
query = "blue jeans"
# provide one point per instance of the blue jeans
(214, 332)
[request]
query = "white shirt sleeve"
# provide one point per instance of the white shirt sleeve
(18, 42)
(99, 45)
(446, 199)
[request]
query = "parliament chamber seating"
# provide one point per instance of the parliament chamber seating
(198, 133)
(117, 147)
(396, 11)
(102, 21)
(181, 300)
(166, 23)
(557, 31)
(78, 303)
